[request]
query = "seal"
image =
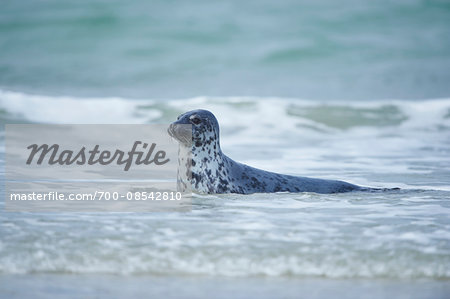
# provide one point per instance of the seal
(210, 171)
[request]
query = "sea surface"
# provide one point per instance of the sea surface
(381, 239)
(351, 90)
(314, 49)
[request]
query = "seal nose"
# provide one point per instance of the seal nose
(171, 129)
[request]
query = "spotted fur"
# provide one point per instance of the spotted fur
(211, 171)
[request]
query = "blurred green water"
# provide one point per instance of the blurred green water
(323, 49)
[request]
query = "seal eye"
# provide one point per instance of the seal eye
(195, 120)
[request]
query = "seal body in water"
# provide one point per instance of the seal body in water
(211, 171)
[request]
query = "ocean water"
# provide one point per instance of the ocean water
(315, 49)
(286, 242)
(355, 90)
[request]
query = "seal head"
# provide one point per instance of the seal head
(205, 129)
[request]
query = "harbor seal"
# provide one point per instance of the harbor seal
(212, 172)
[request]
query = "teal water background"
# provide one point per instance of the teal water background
(351, 90)
(326, 49)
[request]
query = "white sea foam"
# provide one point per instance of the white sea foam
(62, 110)
(269, 113)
